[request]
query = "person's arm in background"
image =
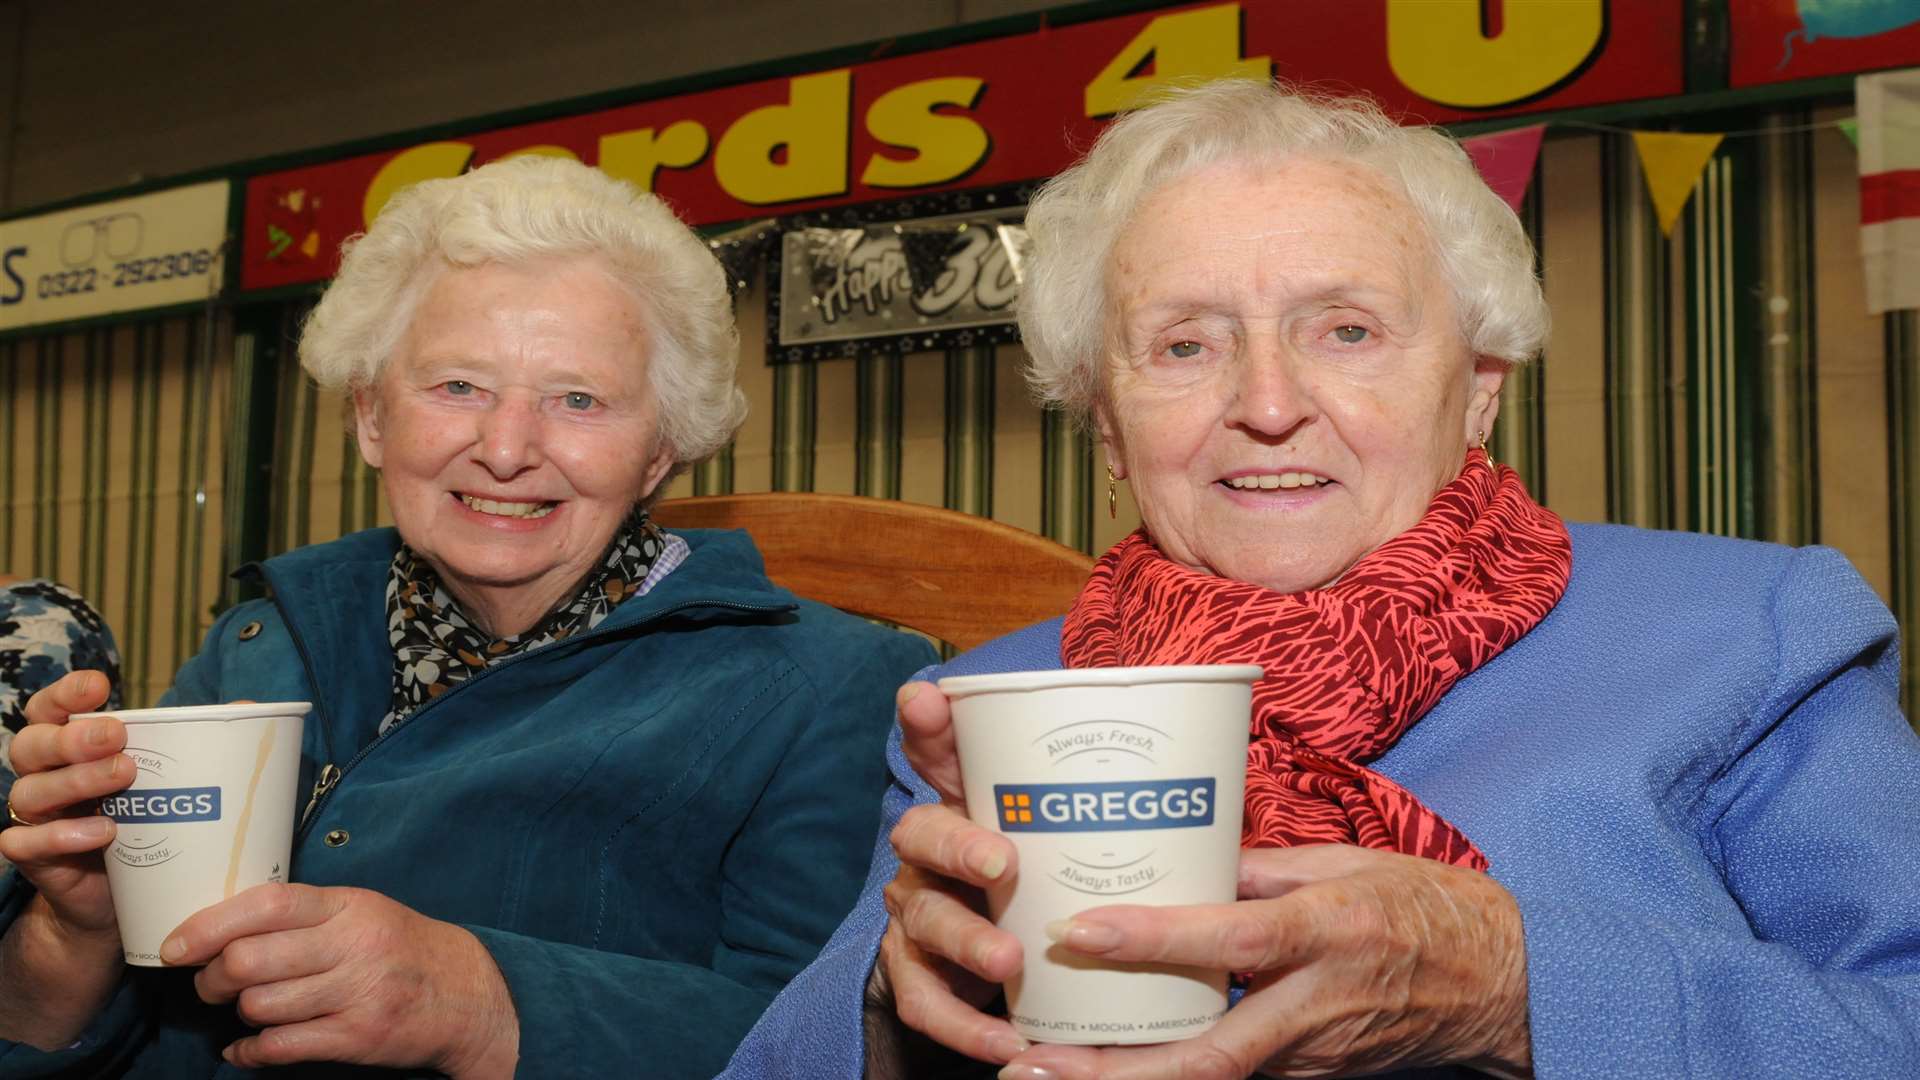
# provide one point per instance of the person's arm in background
(13, 700)
(49, 631)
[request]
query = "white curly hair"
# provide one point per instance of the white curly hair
(1075, 218)
(528, 208)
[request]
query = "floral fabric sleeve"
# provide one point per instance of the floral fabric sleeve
(47, 630)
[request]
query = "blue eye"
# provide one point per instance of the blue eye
(577, 400)
(460, 387)
(1350, 335)
(1184, 350)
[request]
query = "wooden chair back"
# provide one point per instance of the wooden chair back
(960, 578)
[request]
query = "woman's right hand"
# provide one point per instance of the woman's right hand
(941, 958)
(63, 769)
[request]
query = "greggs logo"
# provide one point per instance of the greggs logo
(158, 805)
(1107, 806)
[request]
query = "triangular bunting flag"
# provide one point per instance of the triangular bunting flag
(926, 248)
(1672, 163)
(743, 252)
(1889, 105)
(1850, 127)
(1505, 160)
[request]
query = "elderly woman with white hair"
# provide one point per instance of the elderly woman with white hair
(1522, 797)
(584, 793)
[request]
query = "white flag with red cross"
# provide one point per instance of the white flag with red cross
(1889, 114)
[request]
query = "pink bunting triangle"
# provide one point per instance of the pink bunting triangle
(1505, 160)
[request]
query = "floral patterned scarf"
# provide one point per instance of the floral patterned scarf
(435, 645)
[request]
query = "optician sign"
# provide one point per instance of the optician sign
(1003, 110)
(106, 258)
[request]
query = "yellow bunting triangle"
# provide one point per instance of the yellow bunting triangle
(1672, 163)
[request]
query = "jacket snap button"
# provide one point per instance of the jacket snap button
(335, 838)
(250, 631)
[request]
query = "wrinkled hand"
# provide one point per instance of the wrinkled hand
(349, 975)
(1365, 961)
(63, 770)
(941, 959)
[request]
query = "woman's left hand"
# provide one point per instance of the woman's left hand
(1363, 961)
(341, 974)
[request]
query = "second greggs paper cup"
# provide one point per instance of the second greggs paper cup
(1116, 786)
(210, 812)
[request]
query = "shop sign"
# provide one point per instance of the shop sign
(1003, 110)
(1779, 40)
(904, 286)
(148, 251)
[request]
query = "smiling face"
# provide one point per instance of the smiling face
(1286, 386)
(515, 428)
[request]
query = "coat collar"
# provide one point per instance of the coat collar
(333, 599)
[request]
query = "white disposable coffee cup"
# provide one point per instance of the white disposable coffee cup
(210, 812)
(1116, 786)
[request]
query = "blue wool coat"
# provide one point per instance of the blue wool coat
(651, 826)
(1694, 777)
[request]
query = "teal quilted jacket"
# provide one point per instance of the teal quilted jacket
(652, 826)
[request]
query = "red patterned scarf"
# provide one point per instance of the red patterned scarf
(1349, 667)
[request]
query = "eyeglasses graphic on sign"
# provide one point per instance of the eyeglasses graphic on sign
(117, 235)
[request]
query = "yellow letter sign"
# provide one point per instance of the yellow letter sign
(1437, 50)
(1185, 47)
(947, 147)
(428, 161)
(809, 133)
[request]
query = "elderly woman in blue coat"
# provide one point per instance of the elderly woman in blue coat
(1523, 797)
(584, 793)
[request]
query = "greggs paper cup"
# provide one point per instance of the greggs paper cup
(1116, 786)
(210, 812)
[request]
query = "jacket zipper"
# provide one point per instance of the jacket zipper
(331, 774)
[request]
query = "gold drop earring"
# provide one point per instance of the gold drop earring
(1113, 494)
(1482, 436)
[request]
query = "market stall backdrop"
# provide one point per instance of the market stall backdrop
(1724, 378)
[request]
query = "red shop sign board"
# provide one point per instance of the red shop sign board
(1780, 40)
(1003, 110)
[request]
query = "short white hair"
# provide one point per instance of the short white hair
(1075, 218)
(524, 209)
